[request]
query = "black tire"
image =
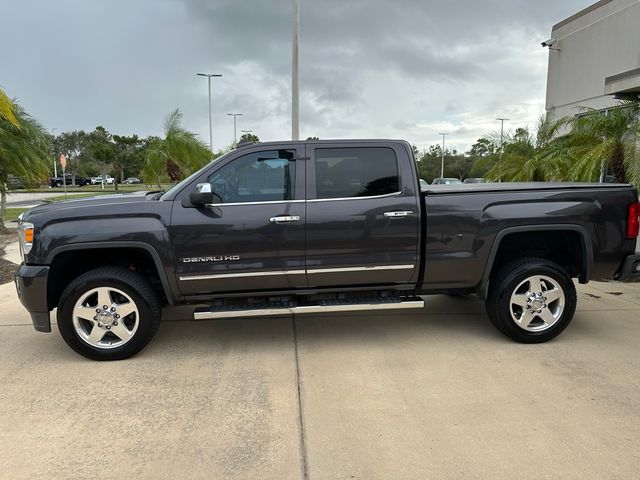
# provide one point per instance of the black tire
(505, 282)
(58, 184)
(131, 283)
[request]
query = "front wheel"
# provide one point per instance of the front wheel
(531, 300)
(108, 313)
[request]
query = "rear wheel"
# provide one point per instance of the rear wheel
(531, 300)
(108, 314)
(58, 184)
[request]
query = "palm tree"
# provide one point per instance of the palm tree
(177, 155)
(601, 139)
(7, 109)
(517, 149)
(595, 140)
(23, 153)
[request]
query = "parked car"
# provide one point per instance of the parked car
(108, 180)
(446, 181)
(15, 183)
(423, 184)
(474, 180)
(58, 182)
(132, 180)
(254, 234)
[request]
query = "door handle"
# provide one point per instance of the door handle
(403, 213)
(285, 218)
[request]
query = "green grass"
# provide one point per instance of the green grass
(97, 188)
(77, 196)
(12, 213)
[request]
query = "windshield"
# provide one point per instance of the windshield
(169, 194)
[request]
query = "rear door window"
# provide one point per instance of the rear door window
(356, 172)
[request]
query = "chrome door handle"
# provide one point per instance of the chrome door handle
(404, 213)
(285, 218)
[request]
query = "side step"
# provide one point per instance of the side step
(320, 307)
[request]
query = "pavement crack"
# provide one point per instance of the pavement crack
(303, 445)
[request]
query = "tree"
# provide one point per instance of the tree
(129, 157)
(73, 146)
(178, 154)
(249, 137)
(7, 110)
(518, 148)
(599, 140)
(100, 149)
(483, 147)
(23, 153)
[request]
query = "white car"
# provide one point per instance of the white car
(108, 179)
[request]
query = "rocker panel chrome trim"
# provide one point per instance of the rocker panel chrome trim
(308, 309)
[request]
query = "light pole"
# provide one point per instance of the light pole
(501, 120)
(55, 166)
(209, 75)
(295, 86)
(234, 115)
(442, 162)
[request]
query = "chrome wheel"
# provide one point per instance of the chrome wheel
(105, 317)
(537, 303)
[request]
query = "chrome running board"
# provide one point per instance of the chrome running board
(329, 307)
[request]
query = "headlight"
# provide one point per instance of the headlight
(26, 234)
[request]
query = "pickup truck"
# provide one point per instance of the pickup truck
(318, 226)
(58, 182)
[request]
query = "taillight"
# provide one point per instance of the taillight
(633, 221)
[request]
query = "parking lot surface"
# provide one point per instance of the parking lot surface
(437, 393)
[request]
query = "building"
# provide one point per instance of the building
(594, 58)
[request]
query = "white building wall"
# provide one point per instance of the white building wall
(598, 42)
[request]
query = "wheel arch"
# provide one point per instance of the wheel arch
(586, 253)
(112, 248)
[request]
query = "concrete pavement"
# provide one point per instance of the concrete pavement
(29, 200)
(431, 394)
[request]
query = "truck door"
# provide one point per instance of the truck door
(252, 239)
(362, 215)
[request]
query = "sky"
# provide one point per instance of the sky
(408, 69)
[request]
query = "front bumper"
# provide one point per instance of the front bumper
(630, 271)
(31, 284)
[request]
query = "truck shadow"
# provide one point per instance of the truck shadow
(443, 318)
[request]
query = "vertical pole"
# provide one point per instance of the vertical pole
(295, 87)
(64, 182)
(502, 120)
(235, 134)
(442, 156)
(442, 163)
(210, 122)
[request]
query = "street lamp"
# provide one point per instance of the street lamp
(55, 166)
(501, 120)
(442, 161)
(234, 115)
(209, 75)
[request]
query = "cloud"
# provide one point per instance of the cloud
(370, 68)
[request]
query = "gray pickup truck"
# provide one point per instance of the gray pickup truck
(318, 226)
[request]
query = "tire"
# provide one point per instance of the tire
(58, 184)
(130, 321)
(528, 318)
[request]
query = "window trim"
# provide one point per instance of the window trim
(368, 197)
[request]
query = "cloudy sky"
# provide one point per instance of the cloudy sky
(369, 68)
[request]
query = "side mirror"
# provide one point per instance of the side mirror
(203, 195)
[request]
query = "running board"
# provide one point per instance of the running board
(385, 304)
